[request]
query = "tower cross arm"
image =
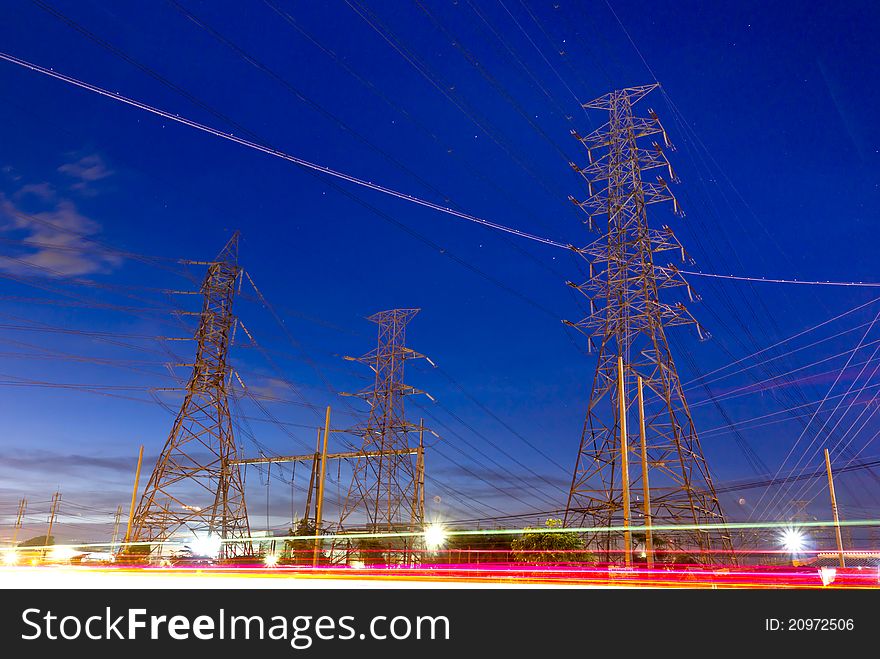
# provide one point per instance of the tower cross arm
(632, 94)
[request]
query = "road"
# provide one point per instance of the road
(455, 576)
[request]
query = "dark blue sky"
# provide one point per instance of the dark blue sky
(468, 104)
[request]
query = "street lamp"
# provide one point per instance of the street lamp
(206, 546)
(793, 541)
(435, 536)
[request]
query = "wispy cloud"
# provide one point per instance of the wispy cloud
(52, 462)
(86, 170)
(267, 387)
(9, 172)
(42, 191)
(54, 242)
(56, 237)
(502, 477)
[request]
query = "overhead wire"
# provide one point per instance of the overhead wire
(750, 453)
(277, 153)
(512, 478)
(297, 160)
(871, 405)
(446, 90)
(821, 404)
(845, 283)
(685, 129)
(541, 53)
(240, 128)
(505, 194)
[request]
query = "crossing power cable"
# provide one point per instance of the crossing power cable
(277, 153)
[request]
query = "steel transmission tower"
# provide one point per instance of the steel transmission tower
(637, 398)
(196, 488)
(386, 486)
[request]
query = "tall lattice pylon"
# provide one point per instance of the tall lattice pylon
(627, 329)
(194, 492)
(384, 493)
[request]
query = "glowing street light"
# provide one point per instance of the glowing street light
(207, 546)
(62, 553)
(270, 560)
(793, 541)
(10, 557)
(435, 536)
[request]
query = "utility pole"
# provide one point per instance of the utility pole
(628, 320)
(56, 498)
(116, 521)
(419, 504)
(314, 474)
(646, 488)
(624, 464)
(322, 457)
(319, 506)
(134, 491)
(19, 519)
(196, 485)
(834, 510)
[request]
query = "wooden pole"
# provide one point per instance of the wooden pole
(313, 476)
(22, 506)
(624, 464)
(834, 509)
(417, 517)
(134, 491)
(116, 520)
(313, 482)
(421, 470)
(320, 503)
(55, 499)
(646, 489)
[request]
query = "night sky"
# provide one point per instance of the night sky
(464, 103)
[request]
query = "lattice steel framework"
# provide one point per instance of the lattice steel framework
(194, 490)
(384, 491)
(628, 319)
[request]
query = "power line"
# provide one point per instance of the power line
(785, 341)
(769, 280)
(277, 153)
(447, 90)
(341, 175)
(816, 412)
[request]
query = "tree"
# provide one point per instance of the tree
(373, 551)
(550, 545)
(665, 551)
(477, 548)
(300, 552)
(38, 541)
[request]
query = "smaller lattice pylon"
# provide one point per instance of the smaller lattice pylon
(385, 490)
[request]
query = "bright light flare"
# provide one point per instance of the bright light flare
(828, 575)
(62, 553)
(793, 541)
(10, 557)
(270, 560)
(206, 546)
(435, 536)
